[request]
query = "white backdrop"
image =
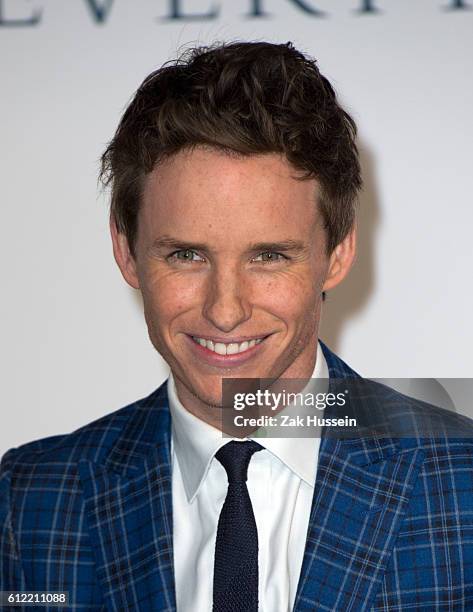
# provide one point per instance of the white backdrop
(74, 344)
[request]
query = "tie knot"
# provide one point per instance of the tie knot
(235, 458)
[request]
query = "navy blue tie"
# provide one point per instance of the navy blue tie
(236, 549)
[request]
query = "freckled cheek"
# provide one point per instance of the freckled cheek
(289, 301)
(168, 297)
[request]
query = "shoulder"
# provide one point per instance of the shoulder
(411, 421)
(92, 441)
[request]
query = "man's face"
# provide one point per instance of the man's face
(231, 261)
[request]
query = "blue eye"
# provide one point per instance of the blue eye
(269, 257)
(186, 255)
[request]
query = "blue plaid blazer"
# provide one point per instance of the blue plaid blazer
(391, 525)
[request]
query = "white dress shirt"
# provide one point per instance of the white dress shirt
(280, 484)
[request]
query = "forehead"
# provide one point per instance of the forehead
(207, 189)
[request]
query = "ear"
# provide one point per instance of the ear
(341, 260)
(123, 257)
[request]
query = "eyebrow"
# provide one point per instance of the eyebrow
(168, 242)
(284, 245)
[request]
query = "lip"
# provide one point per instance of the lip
(207, 356)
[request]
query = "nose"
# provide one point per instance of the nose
(226, 302)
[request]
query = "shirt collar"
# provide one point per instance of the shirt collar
(196, 442)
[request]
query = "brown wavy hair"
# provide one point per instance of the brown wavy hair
(247, 98)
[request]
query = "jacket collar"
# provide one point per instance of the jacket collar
(361, 495)
(128, 503)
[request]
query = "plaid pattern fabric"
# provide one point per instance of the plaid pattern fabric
(90, 513)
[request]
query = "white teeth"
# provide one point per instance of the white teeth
(233, 348)
(220, 348)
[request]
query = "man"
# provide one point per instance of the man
(234, 176)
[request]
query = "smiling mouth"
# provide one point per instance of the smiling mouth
(230, 348)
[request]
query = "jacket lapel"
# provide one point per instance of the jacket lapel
(361, 495)
(128, 502)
